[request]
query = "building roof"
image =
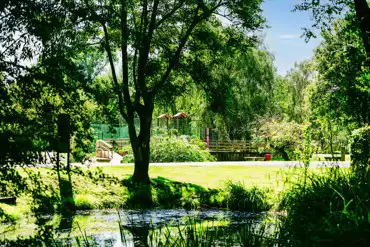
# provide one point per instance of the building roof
(180, 115)
(164, 116)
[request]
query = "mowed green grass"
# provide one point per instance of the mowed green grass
(213, 176)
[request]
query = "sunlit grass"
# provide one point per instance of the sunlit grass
(212, 177)
(103, 188)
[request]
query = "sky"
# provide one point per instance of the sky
(283, 38)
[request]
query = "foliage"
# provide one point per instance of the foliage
(176, 149)
(330, 208)
(240, 198)
(284, 137)
(341, 90)
(298, 80)
(322, 14)
(250, 94)
(86, 202)
(173, 149)
(360, 150)
(157, 41)
(29, 119)
(238, 87)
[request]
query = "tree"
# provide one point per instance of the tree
(239, 88)
(250, 94)
(298, 79)
(149, 38)
(152, 37)
(287, 138)
(324, 14)
(342, 88)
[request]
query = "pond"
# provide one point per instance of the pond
(144, 228)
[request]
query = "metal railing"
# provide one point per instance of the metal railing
(233, 146)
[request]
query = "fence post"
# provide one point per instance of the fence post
(343, 153)
(207, 137)
(97, 148)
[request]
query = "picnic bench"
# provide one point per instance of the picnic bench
(329, 157)
(254, 158)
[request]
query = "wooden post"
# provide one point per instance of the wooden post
(207, 137)
(343, 153)
(186, 127)
(177, 124)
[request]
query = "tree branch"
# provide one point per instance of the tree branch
(174, 60)
(137, 88)
(169, 14)
(144, 52)
(363, 16)
(13, 43)
(115, 80)
(124, 39)
(111, 62)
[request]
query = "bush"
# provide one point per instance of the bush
(173, 149)
(176, 149)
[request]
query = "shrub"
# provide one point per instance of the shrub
(330, 209)
(173, 149)
(176, 149)
(239, 198)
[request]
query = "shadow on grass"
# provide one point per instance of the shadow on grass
(166, 193)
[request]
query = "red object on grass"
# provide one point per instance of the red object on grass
(268, 157)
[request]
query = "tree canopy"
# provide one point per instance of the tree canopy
(149, 45)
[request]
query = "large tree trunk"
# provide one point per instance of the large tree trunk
(141, 172)
(141, 147)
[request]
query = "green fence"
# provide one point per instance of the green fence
(120, 131)
(109, 131)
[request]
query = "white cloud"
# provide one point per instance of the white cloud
(289, 36)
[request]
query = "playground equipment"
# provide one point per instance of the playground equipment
(179, 124)
(163, 121)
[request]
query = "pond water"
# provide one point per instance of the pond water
(132, 228)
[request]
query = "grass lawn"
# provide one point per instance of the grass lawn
(105, 187)
(212, 177)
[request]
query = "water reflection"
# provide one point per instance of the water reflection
(148, 228)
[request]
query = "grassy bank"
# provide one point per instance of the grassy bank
(321, 207)
(233, 187)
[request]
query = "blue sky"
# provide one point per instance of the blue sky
(283, 37)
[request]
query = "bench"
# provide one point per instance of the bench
(254, 158)
(328, 157)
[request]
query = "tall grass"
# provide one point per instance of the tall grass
(331, 208)
(240, 198)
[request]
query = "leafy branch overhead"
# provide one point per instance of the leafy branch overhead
(147, 44)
